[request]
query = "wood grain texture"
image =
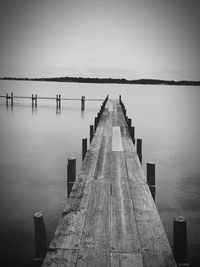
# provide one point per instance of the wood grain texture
(110, 218)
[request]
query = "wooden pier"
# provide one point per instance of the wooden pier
(110, 218)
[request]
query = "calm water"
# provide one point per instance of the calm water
(35, 145)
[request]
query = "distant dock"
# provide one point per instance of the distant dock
(110, 218)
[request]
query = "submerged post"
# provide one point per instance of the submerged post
(59, 102)
(71, 174)
(36, 100)
(83, 103)
(91, 132)
(151, 178)
(84, 148)
(40, 236)
(180, 241)
(7, 99)
(11, 99)
(139, 149)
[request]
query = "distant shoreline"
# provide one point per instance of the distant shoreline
(107, 80)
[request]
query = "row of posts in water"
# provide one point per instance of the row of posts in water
(179, 223)
(34, 98)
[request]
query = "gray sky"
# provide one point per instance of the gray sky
(104, 38)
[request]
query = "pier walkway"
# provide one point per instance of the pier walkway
(110, 218)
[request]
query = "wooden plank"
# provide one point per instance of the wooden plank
(126, 260)
(69, 231)
(61, 258)
(124, 236)
(96, 233)
(116, 139)
(93, 257)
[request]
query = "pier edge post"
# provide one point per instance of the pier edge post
(40, 236)
(84, 148)
(151, 178)
(133, 134)
(180, 241)
(91, 132)
(139, 149)
(71, 174)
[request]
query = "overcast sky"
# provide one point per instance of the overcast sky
(104, 38)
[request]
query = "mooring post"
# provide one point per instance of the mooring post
(83, 103)
(139, 149)
(180, 241)
(40, 236)
(32, 98)
(59, 103)
(91, 132)
(133, 134)
(84, 148)
(95, 123)
(129, 124)
(7, 99)
(11, 99)
(36, 100)
(71, 174)
(151, 178)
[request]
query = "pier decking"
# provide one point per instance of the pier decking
(110, 218)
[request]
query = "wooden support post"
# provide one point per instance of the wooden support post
(95, 123)
(151, 178)
(56, 101)
(11, 99)
(59, 101)
(133, 134)
(180, 241)
(91, 132)
(71, 174)
(83, 103)
(84, 148)
(7, 99)
(139, 149)
(120, 99)
(129, 124)
(36, 100)
(40, 236)
(32, 98)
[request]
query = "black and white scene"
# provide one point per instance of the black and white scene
(99, 133)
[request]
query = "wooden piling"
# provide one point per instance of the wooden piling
(59, 102)
(129, 121)
(84, 148)
(40, 236)
(7, 99)
(91, 132)
(36, 100)
(71, 174)
(95, 123)
(83, 103)
(139, 149)
(132, 132)
(180, 240)
(11, 99)
(151, 178)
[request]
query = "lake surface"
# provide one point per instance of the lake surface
(36, 142)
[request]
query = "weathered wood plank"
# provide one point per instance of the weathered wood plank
(124, 236)
(126, 260)
(116, 139)
(93, 258)
(96, 233)
(61, 258)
